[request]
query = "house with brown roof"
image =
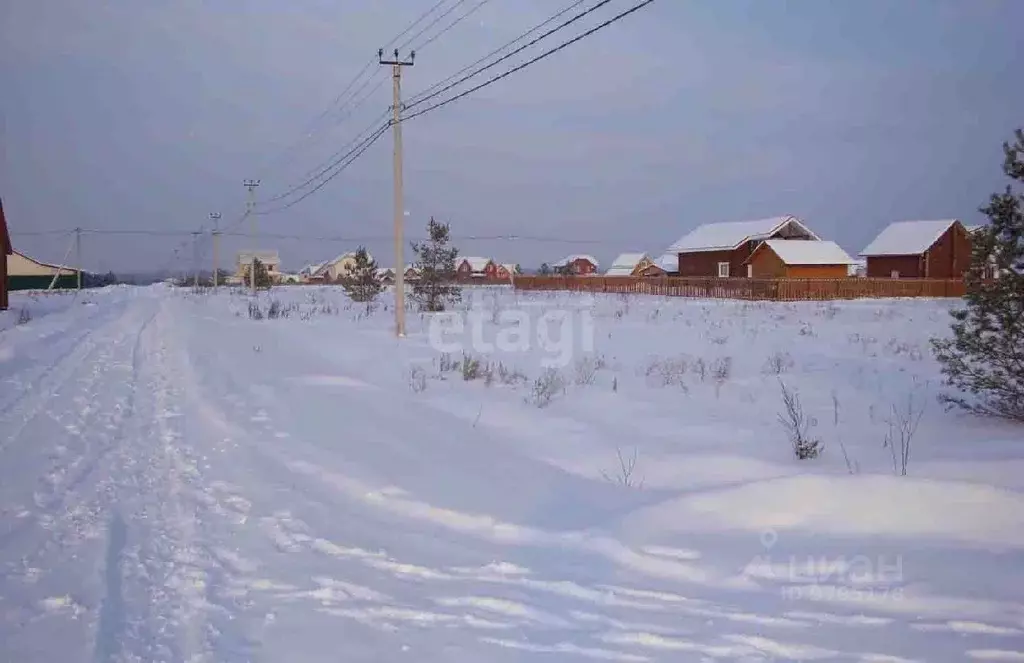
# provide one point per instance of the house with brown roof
(722, 249)
(920, 249)
(798, 259)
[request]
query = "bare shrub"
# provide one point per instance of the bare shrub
(668, 372)
(24, 316)
(778, 363)
(902, 348)
(472, 368)
(625, 476)
(445, 364)
(700, 367)
(798, 425)
(418, 379)
(807, 329)
(719, 340)
(510, 376)
(721, 369)
(585, 370)
(828, 310)
(901, 427)
(545, 388)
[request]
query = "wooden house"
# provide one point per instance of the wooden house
(920, 249)
(722, 249)
(506, 271)
(798, 259)
(577, 264)
(470, 268)
(629, 264)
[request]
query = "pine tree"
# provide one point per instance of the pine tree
(361, 281)
(985, 356)
(263, 280)
(545, 269)
(435, 261)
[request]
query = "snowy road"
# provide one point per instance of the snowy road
(182, 484)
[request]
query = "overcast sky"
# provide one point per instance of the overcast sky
(139, 114)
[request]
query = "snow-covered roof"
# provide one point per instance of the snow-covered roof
(669, 262)
(573, 258)
(476, 263)
(809, 252)
(625, 264)
(907, 238)
(972, 229)
(510, 266)
(729, 235)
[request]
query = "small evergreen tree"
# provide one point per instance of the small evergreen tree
(435, 261)
(545, 269)
(985, 356)
(263, 280)
(361, 281)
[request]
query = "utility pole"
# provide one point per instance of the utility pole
(215, 218)
(249, 206)
(78, 255)
(396, 131)
(195, 259)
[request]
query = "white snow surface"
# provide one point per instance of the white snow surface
(907, 238)
(809, 252)
(730, 234)
(180, 482)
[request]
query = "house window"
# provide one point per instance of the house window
(723, 269)
(750, 271)
(894, 274)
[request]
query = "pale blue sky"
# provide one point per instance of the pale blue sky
(849, 113)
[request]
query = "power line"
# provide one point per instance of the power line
(365, 145)
(531, 61)
(330, 162)
(522, 48)
(526, 34)
(312, 126)
(416, 36)
(451, 25)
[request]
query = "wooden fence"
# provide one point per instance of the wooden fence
(753, 289)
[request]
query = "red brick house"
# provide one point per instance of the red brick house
(920, 249)
(5, 250)
(722, 249)
(475, 268)
(576, 265)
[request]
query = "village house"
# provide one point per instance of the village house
(506, 271)
(920, 249)
(472, 268)
(576, 265)
(798, 259)
(332, 270)
(722, 249)
(269, 259)
(666, 265)
(5, 250)
(386, 275)
(630, 264)
(411, 273)
(25, 273)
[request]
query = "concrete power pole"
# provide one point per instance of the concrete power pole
(195, 259)
(78, 256)
(249, 206)
(396, 130)
(215, 218)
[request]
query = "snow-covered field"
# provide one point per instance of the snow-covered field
(181, 482)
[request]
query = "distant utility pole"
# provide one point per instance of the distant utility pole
(396, 131)
(249, 206)
(78, 255)
(215, 218)
(195, 258)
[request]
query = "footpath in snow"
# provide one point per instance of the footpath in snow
(546, 477)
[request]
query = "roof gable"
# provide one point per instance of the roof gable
(5, 235)
(626, 263)
(806, 252)
(573, 258)
(476, 263)
(729, 235)
(907, 238)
